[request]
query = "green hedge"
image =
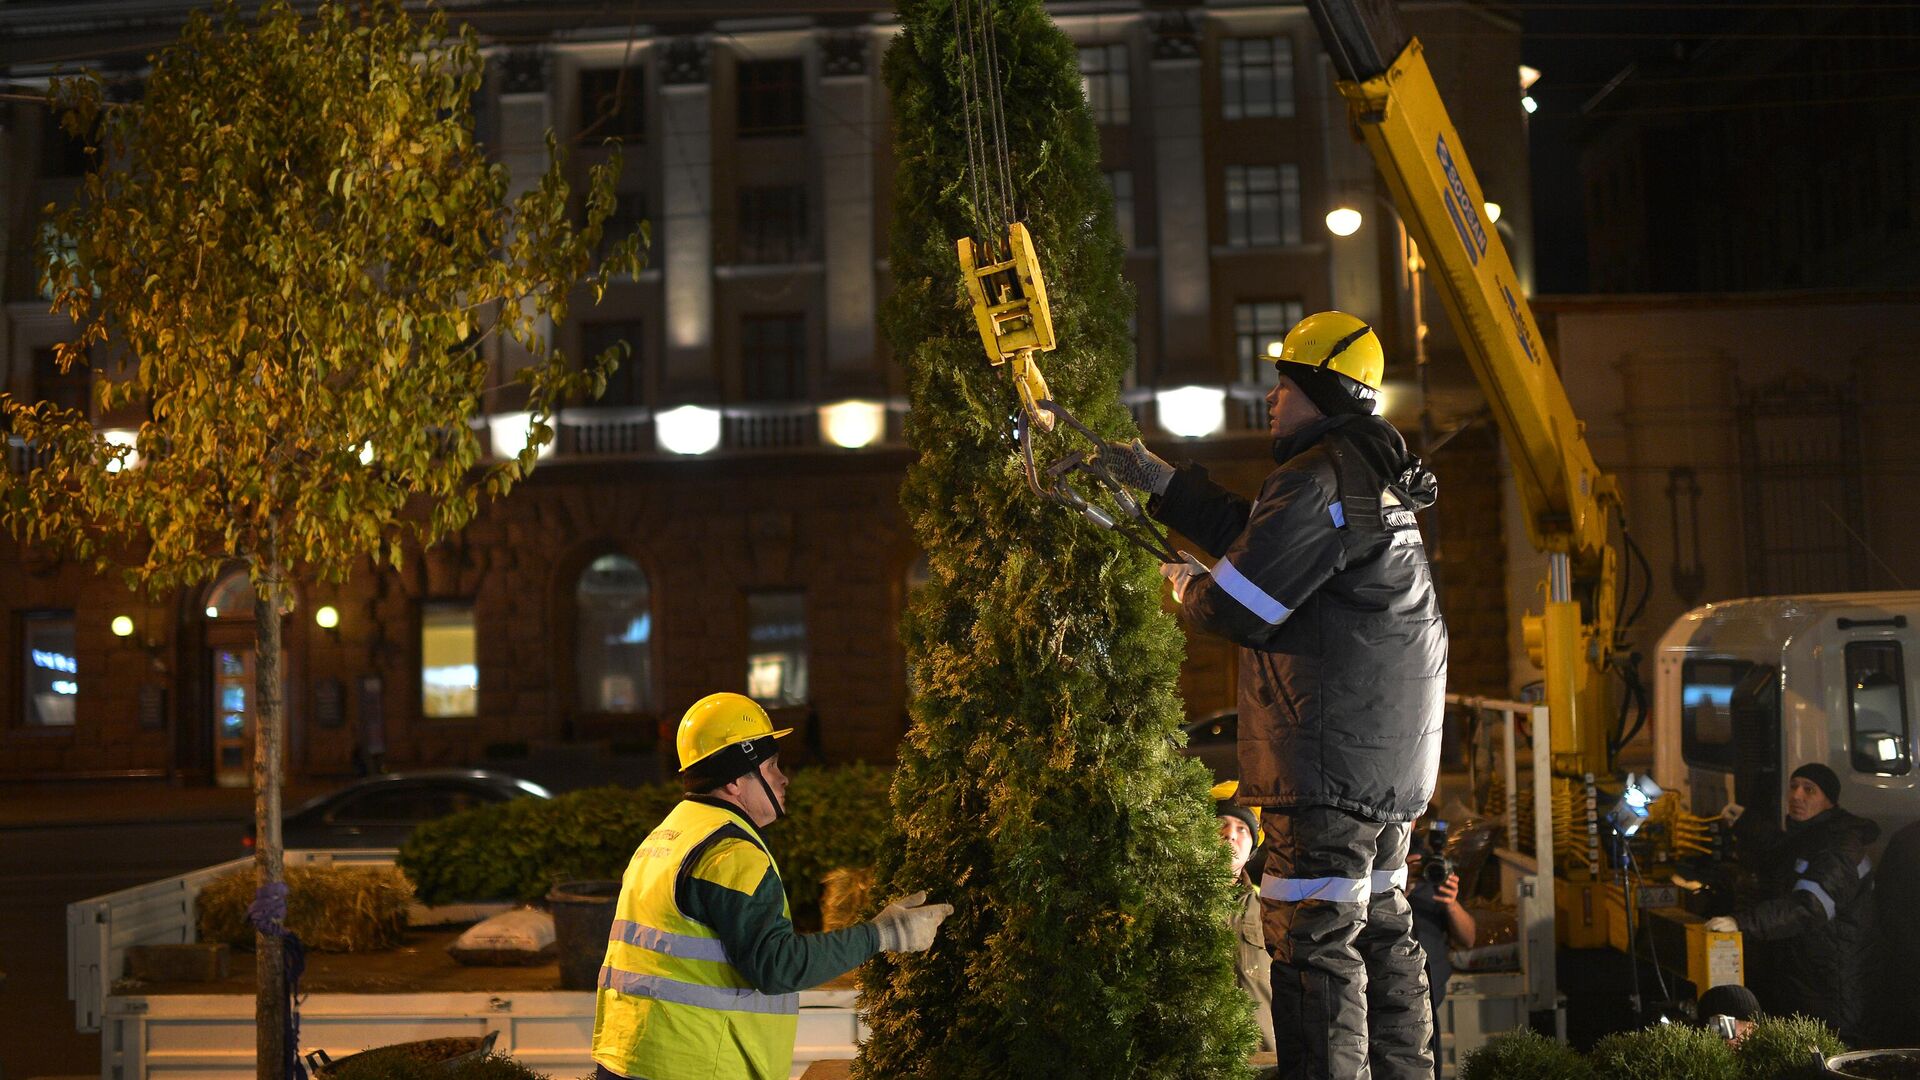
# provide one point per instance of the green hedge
(518, 850)
(1782, 1048)
(376, 1065)
(1778, 1048)
(1528, 1054)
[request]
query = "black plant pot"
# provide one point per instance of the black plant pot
(1876, 1065)
(582, 919)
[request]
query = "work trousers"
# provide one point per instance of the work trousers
(1349, 979)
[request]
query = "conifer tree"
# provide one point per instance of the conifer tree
(1039, 790)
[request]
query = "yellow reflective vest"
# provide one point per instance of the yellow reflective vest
(671, 1005)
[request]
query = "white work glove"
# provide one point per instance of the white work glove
(908, 924)
(1723, 924)
(1180, 574)
(1136, 466)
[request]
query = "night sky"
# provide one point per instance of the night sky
(1579, 45)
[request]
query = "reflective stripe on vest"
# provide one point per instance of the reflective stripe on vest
(1337, 890)
(670, 1002)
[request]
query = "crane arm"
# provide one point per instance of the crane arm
(1397, 111)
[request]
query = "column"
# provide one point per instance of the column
(842, 103)
(685, 241)
(1179, 165)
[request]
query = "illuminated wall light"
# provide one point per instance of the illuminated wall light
(327, 617)
(1493, 211)
(1193, 412)
(122, 437)
(1528, 76)
(510, 433)
(366, 453)
(853, 424)
(689, 429)
(212, 612)
(1343, 221)
(122, 626)
(1529, 104)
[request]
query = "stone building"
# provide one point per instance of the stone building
(727, 516)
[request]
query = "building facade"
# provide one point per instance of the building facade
(726, 517)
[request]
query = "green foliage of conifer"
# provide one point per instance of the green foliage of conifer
(1039, 790)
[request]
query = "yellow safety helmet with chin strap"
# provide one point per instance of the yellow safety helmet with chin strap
(1334, 343)
(718, 721)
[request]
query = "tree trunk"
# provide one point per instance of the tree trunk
(270, 961)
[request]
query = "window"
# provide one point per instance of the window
(777, 648)
(1877, 729)
(773, 224)
(613, 103)
(449, 668)
(613, 650)
(1706, 710)
(231, 596)
(773, 357)
(402, 803)
(1120, 182)
(1256, 77)
(70, 389)
(52, 669)
(629, 213)
(772, 95)
(1256, 327)
(627, 385)
(1263, 205)
(1103, 79)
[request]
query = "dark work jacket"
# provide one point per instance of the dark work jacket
(1254, 967)
(1809, 931)
(1324, 584)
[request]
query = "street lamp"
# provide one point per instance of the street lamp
(1343, 221)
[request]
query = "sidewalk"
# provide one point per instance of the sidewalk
(103, 802)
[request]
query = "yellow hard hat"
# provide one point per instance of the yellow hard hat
(718, 721)
(1336, 341)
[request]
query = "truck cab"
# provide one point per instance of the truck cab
(1746, 691)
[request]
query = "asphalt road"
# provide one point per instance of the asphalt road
(44, 868)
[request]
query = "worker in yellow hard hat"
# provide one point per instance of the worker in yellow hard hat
(1324, 584)
(1240, 829)
(703, 967)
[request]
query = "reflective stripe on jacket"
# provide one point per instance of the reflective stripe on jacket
(671, 1004)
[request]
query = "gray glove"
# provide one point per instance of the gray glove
(908, 924)
(1136, 466)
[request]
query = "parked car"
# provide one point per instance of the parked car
(1215, 741)
(382, 811)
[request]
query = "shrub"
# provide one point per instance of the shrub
(332, 908)
(1783, 1048)
(1525, 1055)
(517, 850)
(1667, 1051)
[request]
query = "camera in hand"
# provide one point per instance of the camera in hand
(1435, 867)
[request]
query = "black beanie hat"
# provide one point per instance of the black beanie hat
(1229, 808)
(1822, 777)
(1331, 392)
(1729, 999)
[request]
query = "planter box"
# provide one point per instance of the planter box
(196, 1033)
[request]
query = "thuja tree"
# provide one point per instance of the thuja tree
(290, 256)
(1038, 789)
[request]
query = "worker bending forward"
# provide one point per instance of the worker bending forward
(703, 968)
(1323, 582)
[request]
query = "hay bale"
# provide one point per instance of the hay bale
(846, 896)
(332, 908)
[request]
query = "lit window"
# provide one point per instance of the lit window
(777, 647)
(449, 665)
(1103, 78)
(1256, 77)
(1263, 205)
(614, 644)
(1878, 733)
(51, 666)
(1258, 326)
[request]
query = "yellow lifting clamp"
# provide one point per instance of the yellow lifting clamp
(1010, 308)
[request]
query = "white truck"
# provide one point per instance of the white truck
(1746, 691)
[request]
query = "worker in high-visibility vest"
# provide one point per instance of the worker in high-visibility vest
(703, 967)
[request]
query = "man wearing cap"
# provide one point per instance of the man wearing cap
(1323, 582)
(1736, 1003)
(703, 967)
(1807, 933)
(1240, 828)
